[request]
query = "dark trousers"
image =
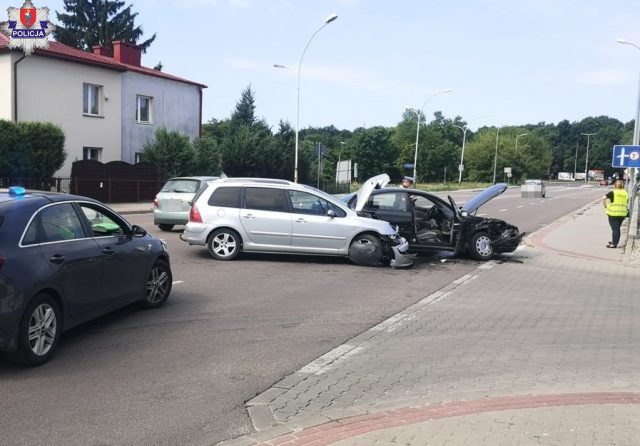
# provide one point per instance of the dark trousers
(615, 223)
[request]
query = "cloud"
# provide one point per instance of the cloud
(199, 3)
(605, 78)
(339, 74)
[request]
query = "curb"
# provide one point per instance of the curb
(331, 429)
(263, 420)
(536, 239)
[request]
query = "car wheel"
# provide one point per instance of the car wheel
(481, 247)
(39, 332)
(366, 250)
(224, 244)
(165, 227)
(158, 285)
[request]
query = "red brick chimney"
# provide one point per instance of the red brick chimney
(101, 50)
(126, 53)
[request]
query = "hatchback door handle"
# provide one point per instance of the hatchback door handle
(301, 220)
(107, 251)
(249, 216)
(57, 259)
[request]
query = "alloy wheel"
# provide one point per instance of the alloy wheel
(43, 326)
(224, 244)
(157, 285)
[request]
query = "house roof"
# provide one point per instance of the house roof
(60, 51)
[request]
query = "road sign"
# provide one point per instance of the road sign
(507, 170)
(626, 156)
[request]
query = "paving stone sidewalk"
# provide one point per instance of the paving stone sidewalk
(541, 349)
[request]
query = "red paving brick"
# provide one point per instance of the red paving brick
(334, 431)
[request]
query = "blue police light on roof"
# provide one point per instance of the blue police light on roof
(17, 191)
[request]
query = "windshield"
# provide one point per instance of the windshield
(181, 186)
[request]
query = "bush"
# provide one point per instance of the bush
(30, 149)
(171, 151)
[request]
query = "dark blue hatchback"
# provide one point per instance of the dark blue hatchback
(65, 259)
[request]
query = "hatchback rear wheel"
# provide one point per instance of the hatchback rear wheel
(165, 227)
(224, 244)
(39, 332)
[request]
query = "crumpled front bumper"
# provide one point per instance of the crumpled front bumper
(508, 240)
(401, 257)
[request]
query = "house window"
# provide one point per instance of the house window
(143, 109)
(92, 153)
(91, 99)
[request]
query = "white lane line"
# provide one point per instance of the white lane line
(532, 204)
(502, 210)
(175, 282)
(520, 206)
(481, 215)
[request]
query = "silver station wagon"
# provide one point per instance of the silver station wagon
(235, 215)
(172, 204)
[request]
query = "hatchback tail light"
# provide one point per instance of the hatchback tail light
(155, 202)
(194, 215)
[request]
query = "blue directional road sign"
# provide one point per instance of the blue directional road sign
(626, 156)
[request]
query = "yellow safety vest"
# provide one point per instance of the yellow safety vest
(619, 206)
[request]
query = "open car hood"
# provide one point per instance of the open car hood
(473, 204)
(377, 182)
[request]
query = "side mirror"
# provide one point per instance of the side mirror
(331, 213)
(464, 213)
(137, 231)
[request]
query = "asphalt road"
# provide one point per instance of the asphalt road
(180, 374)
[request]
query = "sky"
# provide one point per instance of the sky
(520, 61)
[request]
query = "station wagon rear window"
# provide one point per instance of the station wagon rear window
(225, 197)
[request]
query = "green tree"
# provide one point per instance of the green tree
(171, 151)
(375, 152)
(99, 22)
(244, 114)
(30, 149)
(207, 157)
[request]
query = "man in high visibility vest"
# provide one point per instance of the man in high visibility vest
(617, 204)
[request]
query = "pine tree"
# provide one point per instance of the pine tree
(245, 109)
(98, 22)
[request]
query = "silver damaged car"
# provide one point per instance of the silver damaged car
(234, 215)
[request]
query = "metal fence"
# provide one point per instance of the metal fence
(107, 190)
(47, 184)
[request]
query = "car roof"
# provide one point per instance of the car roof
(31, 196)
(273, 181)
(201, 178)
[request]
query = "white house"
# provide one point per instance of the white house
(106, 102)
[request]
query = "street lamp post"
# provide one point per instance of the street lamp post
(586, 160)
(575, 162)
(464, 139)
(495, 156)
(328, 20)
(419, 113)
(519, 136)
(636, 128)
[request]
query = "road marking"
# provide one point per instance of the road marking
(175, 282)
(502, 210)
(532, 204)
(481, 215)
